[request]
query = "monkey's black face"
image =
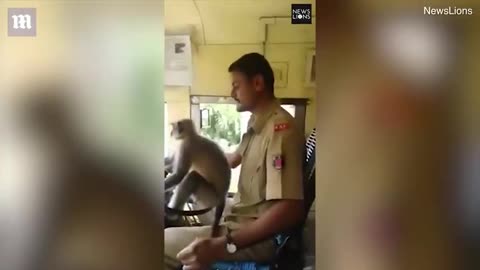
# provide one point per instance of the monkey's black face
(181, 129)
(177, 130)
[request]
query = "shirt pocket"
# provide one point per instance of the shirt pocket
(262, 156)
(258, 179)
(275, 159)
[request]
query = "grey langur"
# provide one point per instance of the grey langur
(198, 168)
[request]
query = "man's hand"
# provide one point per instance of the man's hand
(202, 253)
(234, 159)
(281, 216)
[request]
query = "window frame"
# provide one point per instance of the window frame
(299, 103)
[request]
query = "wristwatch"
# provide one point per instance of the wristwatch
(231, 247)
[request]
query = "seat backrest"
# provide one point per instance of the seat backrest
(292, 240)
(309, 171)
(310, 144)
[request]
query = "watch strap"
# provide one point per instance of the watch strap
(231, 247)
(229, 236)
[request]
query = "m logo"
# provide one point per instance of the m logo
(22, 22)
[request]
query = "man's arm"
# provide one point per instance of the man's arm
(283, 215)
(280, 217)
(283, 186)
(234, 159)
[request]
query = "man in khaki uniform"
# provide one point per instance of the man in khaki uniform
(270, 192)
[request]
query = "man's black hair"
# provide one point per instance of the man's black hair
(253, 64)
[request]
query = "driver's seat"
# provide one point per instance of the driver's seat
(289, 253)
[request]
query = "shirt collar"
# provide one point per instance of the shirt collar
(257, 121)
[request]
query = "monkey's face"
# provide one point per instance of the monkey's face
(181, 129)
(177, 130)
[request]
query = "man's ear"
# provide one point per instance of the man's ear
(258, 82)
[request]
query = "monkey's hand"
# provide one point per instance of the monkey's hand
(169, 168)
(168, 161)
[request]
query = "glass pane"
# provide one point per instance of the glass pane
(289, 108)
(204, 118)
(224, 125)
(244, 117)
(225, 128)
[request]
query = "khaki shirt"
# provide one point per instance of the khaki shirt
(272, 164)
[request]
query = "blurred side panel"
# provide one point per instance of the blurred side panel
(397, 135)
(81, 133)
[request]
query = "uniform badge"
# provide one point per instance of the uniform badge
(278, 162)
(279, 127)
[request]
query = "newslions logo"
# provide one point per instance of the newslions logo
(301, 13)
(22, 22)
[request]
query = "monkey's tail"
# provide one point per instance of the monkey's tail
(218, 216)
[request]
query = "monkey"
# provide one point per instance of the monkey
(198, 167)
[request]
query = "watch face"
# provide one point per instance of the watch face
(231, 248)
